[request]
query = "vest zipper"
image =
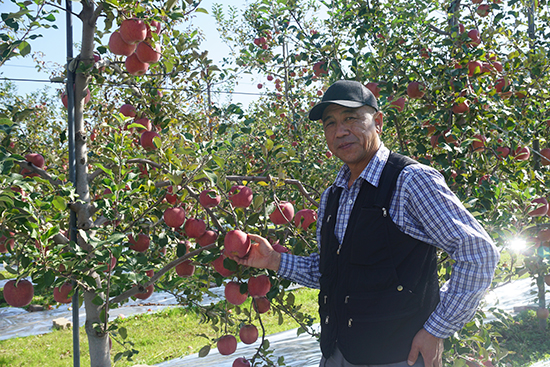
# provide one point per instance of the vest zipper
(349, 322)
(338, 251)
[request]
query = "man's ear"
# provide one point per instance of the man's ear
(378, 121)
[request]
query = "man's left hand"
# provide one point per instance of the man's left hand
(429, 346)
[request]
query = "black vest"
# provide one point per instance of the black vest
(380, 286)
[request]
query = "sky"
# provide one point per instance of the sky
(24, 73)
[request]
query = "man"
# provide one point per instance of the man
(378, 228)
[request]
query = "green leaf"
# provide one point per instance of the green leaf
(59, 203)
(204, 351)
(98, 301)
(201, 10)
(7, 199)
(123, 332)
(24, 48)
(269, 144)
(5, 121)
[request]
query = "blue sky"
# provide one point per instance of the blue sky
(53, 46)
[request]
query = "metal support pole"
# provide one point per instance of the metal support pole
(72, 170)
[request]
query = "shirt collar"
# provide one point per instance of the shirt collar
(371, 173)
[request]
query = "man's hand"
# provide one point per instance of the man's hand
(261, 255)
(429, 346)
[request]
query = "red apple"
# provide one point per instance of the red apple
(415, 90)
(209, 198)
(461, 107)
(521, 153)
(259, 286)
(36, 159)
(498, 66)
(61, 294)
(145, 122)
(398, 104)
(503, 152)
(501, 85)
(283, 213)
(540, 206)
(328, 154)
(147, 140)
(483, 10)
(222, 270)
(194, 228)
(134, 66)
(478, 144)
(118, 46)
(545, 156)
(240, 196)
(20, 294)
(141, 244)
(425, 52)
(474, 67)
(150, 273)
(374, 88)
(241, 362)
(155, 25)
(236, 243)
(148, 292)
(208, 238)
(227, 345)
(473, 34)
(147, 54)
(260, 86)
(128, 110)
(319, 68)
(305, 217)
(111, 266)
(170, 196)
(174, 217)
(185, 269)
(133, 30)
(248, 334)
(261, 304)
(233, 293)
(6, 242)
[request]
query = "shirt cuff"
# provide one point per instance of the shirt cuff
(438, 327)
(286, 265)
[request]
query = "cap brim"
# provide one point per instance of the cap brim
(316, 112)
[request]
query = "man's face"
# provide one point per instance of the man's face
(352, 134)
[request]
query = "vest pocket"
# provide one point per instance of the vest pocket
(381, 306)
(371, 244)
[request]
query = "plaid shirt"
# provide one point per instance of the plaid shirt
(423, 207)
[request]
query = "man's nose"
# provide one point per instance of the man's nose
(341, 129)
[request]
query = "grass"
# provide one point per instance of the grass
(160, 336)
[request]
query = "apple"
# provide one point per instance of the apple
(542, 313)
(134, 66)
(473, 34)
(18, 294)
(415, 90)
(36, 159)
(185, 269)
(425, 52)
(544, 236)
(259, 286)
(236, 243)
(476, 1)
(209, 198)
(145, 122)
(270, 77)
(65, 98)
(462, 107)
(141, 244)
(521, 153)
(374, 88)
(148, 292)
(133, 30)
(283, 213)
(478, 144)
(170, 196)
(222, 270)
(5, 242)
(194, 228)
(61, 294)
(227, 345)
(241, 362)
(156, 28)
(233, 293)
(118, 46)
(248, 334)
(147, 140)
(150, 273)
(209, 237)
(328, 154)
(260, 85)
(319, 68)
(111, 265)
(147, 54)
(502, 152)
(501, 85)
(483, 10)
(398, 104)
(461, 28)
(240, 196)
(128, 110)
(174, 217)
(541, 207)
(545, 156)
(474, 67)
(304, 218)
(261, 304)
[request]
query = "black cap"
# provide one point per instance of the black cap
(347, 93)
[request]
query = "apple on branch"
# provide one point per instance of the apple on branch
(18, 294)
(283, 213)
(259, 286)
(174, 217)
(194, 228)
(185, 269)
(304, 218)
(133, 30)
(61, 293)
(119, 47)
(240, 196)
(209, 198)
(233, 295)
(248, 334)
(209, 237)
(227, 345)
(236, 244)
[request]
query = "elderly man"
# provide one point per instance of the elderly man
(379, 226)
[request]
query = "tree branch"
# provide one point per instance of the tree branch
(45, 175)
